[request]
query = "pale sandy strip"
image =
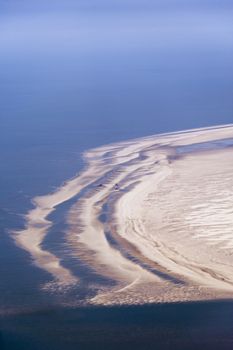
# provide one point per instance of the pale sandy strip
(37, 224)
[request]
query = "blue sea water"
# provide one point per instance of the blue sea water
(79, 74)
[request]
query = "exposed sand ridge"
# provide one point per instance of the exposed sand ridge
(172, 214)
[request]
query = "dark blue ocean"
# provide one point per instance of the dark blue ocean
(78, 74)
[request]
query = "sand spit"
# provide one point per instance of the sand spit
(164, 233)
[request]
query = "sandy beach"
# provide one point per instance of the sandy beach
(153, 214)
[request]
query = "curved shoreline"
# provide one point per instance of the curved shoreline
(138, 166)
